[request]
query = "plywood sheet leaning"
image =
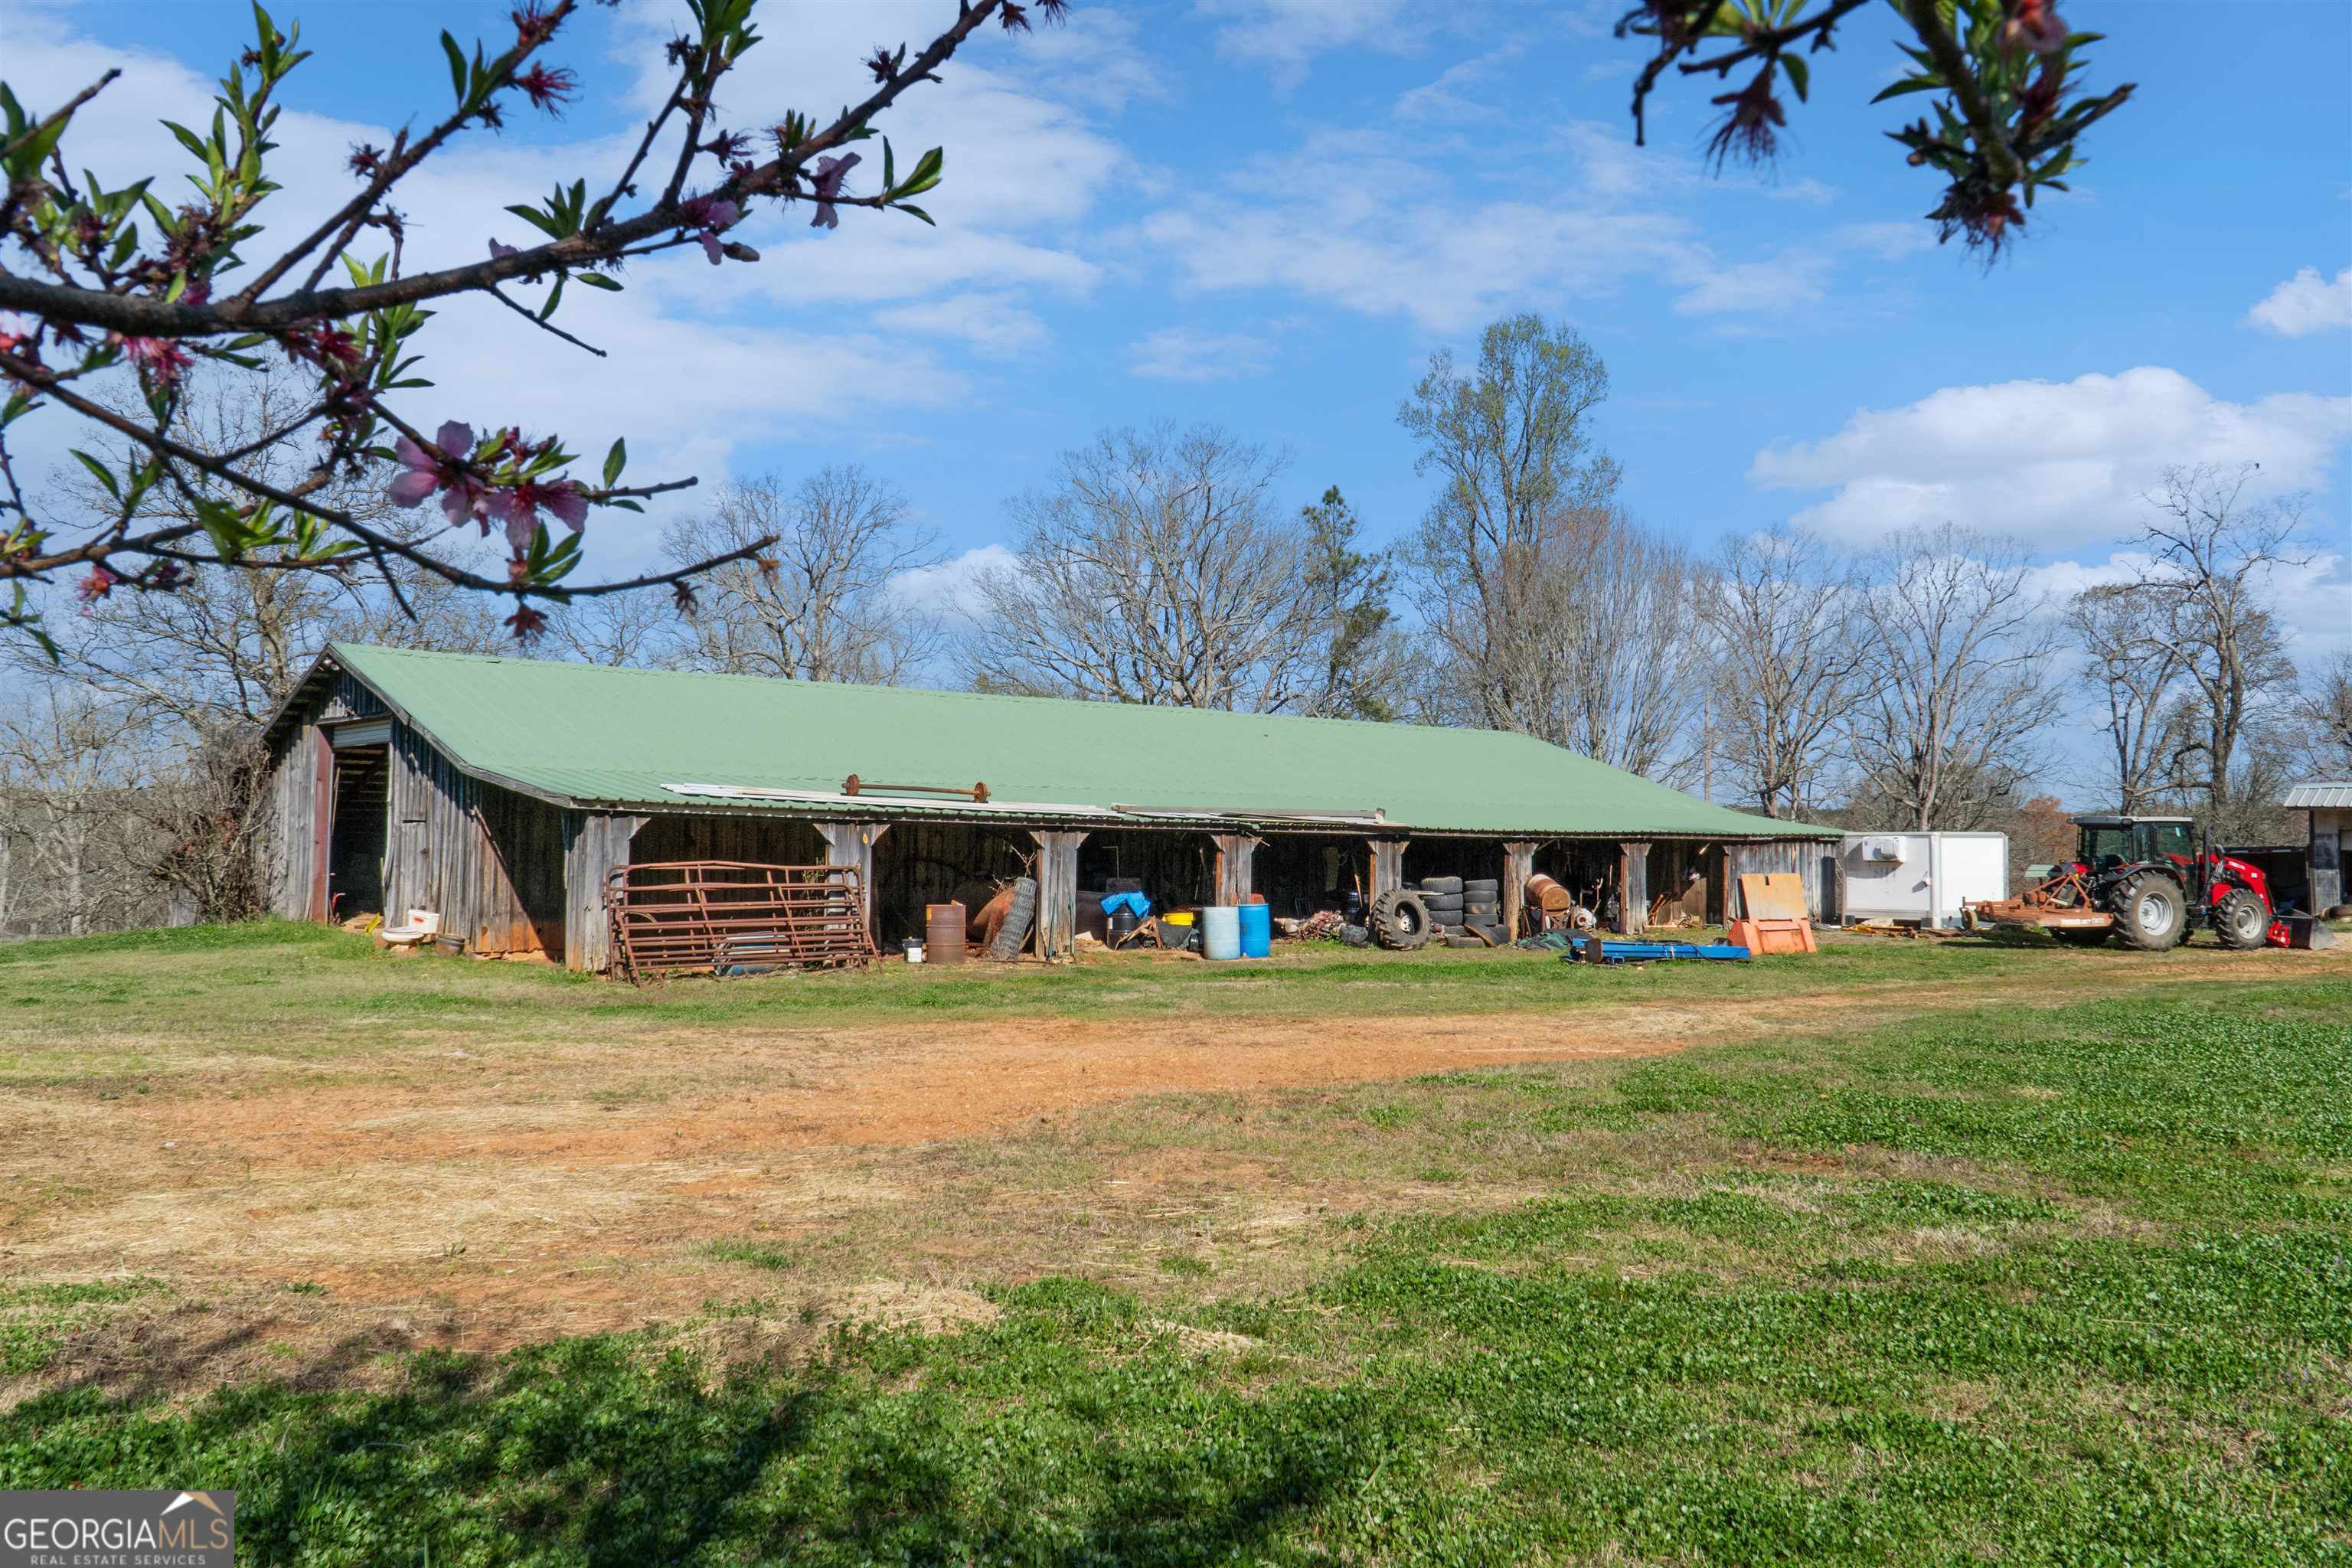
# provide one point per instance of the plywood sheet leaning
(1776, 920)
(1773, 895)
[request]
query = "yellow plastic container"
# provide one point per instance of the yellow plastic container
(1183, 918)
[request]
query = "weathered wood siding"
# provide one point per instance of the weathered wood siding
(489, 860)
(1816, 862)
(595, 843)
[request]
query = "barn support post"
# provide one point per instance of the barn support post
(596, 845)
(1519, 865)
(1058, 892)
(851, 844)
(1236, 852)
(1388, 864)
(318, 901)
(2326, 873)
(1632, 888)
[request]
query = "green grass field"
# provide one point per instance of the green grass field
(2062, 1287)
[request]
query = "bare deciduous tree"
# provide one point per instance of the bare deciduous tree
(1512, 444)
(1789, 665)
(69, 762)
(817, 605)
(633, 629)
(1956, 653)
(1155, 571)
(2212, 553)
(2323, 720)
(2134, 669)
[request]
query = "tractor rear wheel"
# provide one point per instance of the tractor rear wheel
(1400, 920)
(2082, 936)
(2150, 913)
(2240, 920)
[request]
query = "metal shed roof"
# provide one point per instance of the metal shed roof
(2323, 792)
(600, 736)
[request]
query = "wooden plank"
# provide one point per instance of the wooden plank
(1632, 888)
(595, 843)
(1058, 892)
(1235, 853)
(1519, 865)
(1388, 864)
(322, 823)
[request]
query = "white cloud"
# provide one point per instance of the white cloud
(1799, 275)
(949, 590)
(2058, 463)
(1285, 35)
(1184, 354)
(992, 323)
(1391, 227)
(1453, 96)
(2305, 303)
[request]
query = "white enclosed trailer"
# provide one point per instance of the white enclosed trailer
(1924, 877)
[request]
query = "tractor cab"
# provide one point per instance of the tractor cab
(2108, 842)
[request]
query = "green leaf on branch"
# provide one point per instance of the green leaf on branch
(105, 475)
(598, 281)
(457, 67)
(615, 461)
(1800, 75)
(925, 174)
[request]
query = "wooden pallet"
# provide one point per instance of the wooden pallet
(710, 916)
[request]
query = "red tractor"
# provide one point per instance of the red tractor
(2146, 882)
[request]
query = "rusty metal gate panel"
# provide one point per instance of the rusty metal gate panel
(673, 916)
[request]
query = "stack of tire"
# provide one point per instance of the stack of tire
(1444, 897)
(1465, 913)
(1482, 912)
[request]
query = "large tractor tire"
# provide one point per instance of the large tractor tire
(2152, 915)
(1401, 921)
(2242, 921)
(2083, 936)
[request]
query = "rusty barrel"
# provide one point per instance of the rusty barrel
(943, 932)
(1545, 894)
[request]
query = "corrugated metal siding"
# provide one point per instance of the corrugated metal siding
(2325, 795)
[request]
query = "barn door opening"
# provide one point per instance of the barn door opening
(355, 845)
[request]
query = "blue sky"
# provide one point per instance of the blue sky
(1268, 213)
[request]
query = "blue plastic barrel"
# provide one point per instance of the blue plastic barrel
(1220, 932)
(1258, 930)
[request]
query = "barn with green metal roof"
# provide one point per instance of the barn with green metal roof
(504, 793)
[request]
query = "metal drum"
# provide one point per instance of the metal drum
(943, 932)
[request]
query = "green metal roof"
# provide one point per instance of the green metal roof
(600, 736)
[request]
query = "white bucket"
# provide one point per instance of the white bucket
(914, 950)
